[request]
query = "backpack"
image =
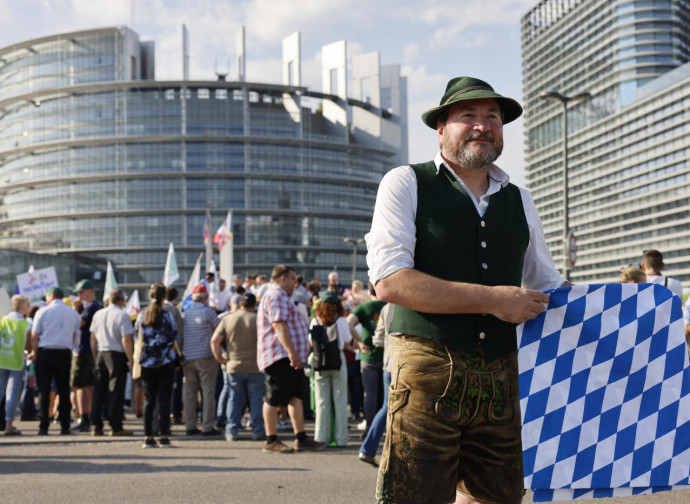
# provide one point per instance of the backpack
(326, 352)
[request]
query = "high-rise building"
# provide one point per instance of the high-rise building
(100, 159)
(628, 139)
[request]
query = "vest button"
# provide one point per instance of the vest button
(485, 266)
(483, 244)
(482, 335)
(482, 223)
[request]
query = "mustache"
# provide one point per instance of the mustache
(478, 135)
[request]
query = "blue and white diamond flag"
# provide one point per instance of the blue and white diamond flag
(605, 393)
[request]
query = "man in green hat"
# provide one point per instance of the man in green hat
(452, 244)
(82, 373)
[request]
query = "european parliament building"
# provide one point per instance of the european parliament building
(628, 141)
(100, 159)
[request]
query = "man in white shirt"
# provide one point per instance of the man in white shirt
(53, 335)
(452, 244)
(111, 344)
(223, 297)
(653, 264)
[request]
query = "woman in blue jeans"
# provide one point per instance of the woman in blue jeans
(367, 451)
(13, 341)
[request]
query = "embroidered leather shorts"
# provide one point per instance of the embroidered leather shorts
(453, 426)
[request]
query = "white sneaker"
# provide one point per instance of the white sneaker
(362, 425)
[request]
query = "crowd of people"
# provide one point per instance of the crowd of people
(232, 360)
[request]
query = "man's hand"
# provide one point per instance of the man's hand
(295, 361)
(364, 348)
(517, 305)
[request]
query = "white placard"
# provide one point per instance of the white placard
(34, 285)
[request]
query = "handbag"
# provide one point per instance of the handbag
(136, 358)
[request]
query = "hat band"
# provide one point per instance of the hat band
(466, 90)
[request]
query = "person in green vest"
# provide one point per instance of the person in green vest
(14, 331)
(461, 253)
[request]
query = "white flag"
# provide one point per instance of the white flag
(133, 306)
(194, 280)
(110, 282)
(171, 273)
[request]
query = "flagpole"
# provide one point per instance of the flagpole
(209, 245)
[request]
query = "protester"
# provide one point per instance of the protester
(381, 339)
(53, 335)
(111, 343)
(14, 331)
(157, 333)
(200, 368)
(223, 297)
(371, 362)
(281, 349)
(451, 244)
(330, 385)
(632, 275)
(82, 372)
(653, 264)
(234, 346)
(169, 305)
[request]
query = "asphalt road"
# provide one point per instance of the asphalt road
(80, 469)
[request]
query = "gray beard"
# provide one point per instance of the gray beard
(468, 158)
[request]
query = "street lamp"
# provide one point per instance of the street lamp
(355, 242)
(556, 96)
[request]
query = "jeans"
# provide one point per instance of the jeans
(372, 381)
(378, 426)
(222, 401)
(253, 385)
(11, 387)
(157, 385)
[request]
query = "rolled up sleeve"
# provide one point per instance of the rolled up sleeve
(392, 238)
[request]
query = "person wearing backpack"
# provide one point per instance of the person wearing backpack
(328, 334)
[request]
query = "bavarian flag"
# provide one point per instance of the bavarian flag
(12, 342)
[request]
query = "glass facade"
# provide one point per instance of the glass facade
(628, 147)
(96, 162)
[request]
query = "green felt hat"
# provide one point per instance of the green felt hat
(469, 88)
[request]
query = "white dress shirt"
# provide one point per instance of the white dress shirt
(56, 325)
(391, 241)
(673, 285)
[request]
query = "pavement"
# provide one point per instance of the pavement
(84, 469)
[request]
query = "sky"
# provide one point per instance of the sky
(431, 40)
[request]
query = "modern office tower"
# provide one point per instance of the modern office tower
(98, 158)
(628, 141)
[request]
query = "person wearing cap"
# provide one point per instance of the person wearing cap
(234, 346)
(451, 244)
(53, 336)
(82, 372)
(200, 368)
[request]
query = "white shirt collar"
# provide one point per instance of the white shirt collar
(495, 173)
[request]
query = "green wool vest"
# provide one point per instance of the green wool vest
(454, 243)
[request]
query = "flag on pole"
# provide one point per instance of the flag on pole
(194, 280)
(207, 226)
(133, 306)
(605, 393)
(110, 282)
(171, 272)
(224, 232)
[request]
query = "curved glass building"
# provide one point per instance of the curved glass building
(99, 158)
